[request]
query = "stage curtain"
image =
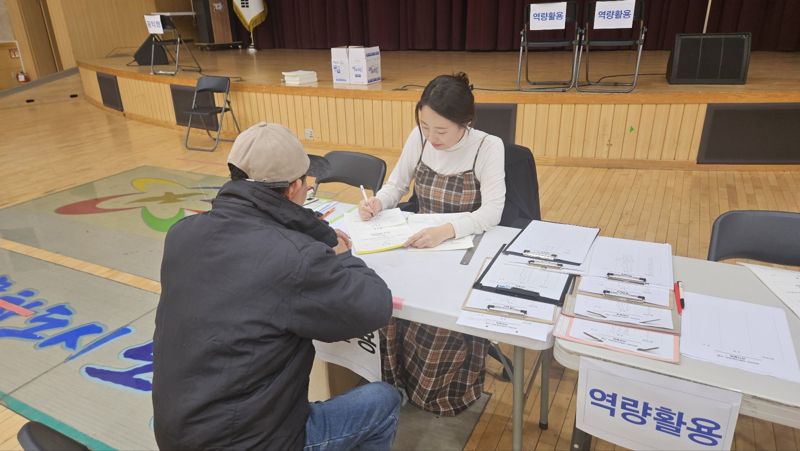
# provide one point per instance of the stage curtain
(494, 25)
(773, 23)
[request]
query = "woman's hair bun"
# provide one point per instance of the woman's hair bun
(463, 78)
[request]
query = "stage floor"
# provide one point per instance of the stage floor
(769, 72)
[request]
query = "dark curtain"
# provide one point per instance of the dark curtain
(492, 25)
(775, 24)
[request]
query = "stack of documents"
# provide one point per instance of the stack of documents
(512, 297)
(553, 246)
(390, 229)
(299, 77)
(624, 302)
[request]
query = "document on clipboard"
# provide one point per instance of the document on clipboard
(622, 313)
(631, 261)
(630, 340)
(554, 243)
(505, 276)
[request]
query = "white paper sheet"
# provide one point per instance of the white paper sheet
(738, 334)
(645, 343)
(508, 272)
(418, 222)
(489, 301)
(640, 259)
(648, 294)
(634, 314)
(614, 14)
(567, 242)
(387, 230)
(548, 16)
(511, 326)
(783, 282)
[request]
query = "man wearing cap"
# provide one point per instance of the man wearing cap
(245, 287)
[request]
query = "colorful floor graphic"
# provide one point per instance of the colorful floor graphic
(82, 362)
(118, 221)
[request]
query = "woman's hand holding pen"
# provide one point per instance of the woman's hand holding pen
(368, 208)
(431, 236)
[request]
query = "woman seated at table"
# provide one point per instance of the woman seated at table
(455, 169)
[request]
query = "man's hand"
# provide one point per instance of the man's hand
(367, 210)
(431, 237)
(344, 244)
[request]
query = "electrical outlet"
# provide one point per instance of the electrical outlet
(309, 133)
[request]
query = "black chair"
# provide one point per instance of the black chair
(498, 119)
(354, 169)
(35, 436)
(767, 236)
(635, 38)
(535, 39)
(522, 188)
(204, 106)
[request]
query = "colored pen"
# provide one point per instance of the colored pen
(682, 302)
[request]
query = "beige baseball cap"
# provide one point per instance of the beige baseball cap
(270, 153)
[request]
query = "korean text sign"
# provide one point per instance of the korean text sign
(643, 410)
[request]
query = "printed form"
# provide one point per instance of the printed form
(650, 263)
(553, 241)
(785, 284)
(623, 312)
(738, 334)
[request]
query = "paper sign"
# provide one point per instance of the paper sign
(614, 14)
(548, 16)
(360, 355)
(642, 410)
(153, 22)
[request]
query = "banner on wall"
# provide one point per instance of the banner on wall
(250, 12)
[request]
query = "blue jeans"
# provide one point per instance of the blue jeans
(363, 418)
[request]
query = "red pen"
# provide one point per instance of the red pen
(679, 296)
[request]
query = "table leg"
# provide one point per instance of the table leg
(518, 382)
(544, 394)
(581, 441)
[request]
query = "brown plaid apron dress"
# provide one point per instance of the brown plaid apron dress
(442, 371)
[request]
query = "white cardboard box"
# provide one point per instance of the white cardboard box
(340, 65)
(365, 64)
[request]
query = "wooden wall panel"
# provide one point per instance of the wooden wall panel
(91, 89)
(617, 132)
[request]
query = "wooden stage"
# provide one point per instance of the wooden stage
(657, 125)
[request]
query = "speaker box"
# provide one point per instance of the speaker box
(717, 58)
(142, 55)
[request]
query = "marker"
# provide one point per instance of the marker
(682, 302)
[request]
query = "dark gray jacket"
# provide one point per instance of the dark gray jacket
(245, 288)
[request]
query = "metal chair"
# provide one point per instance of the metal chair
(767, 236)
(168, 25)
(635, 39)
(354, 169)
(34, 436)
(573, 43)
(203, 105)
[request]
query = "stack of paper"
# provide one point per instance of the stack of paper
(390, 229)
(634, 262)
(553, 246)
(299, 77)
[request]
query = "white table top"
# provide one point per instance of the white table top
(434, 285)
(764, 397)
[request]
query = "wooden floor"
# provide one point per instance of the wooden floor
(57, 142)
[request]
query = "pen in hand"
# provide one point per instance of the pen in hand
(366, 199)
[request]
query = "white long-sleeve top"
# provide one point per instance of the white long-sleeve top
(489, 170)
